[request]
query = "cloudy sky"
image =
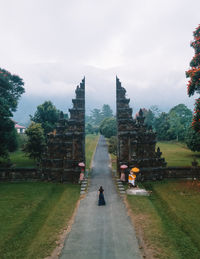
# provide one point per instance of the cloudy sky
(52, 44)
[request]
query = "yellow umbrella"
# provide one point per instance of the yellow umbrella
(135, 170)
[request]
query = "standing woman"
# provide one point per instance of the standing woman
(101, 197)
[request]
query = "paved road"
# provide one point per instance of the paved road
(103, 232)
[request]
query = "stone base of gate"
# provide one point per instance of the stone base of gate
(137, 191)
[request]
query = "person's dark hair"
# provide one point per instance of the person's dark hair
(101, 189)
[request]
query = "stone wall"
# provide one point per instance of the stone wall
(168, 173)
(20, 174)
(35, 174)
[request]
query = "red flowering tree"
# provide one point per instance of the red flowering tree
(194, 74)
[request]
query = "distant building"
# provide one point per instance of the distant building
(20, 129)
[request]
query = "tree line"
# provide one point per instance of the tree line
(172, 126)
(101, 121)
(176, 125)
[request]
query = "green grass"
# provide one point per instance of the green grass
(177, 154)
(169, 218)
(90, 145)
(32, 215)
(20, 159)
(113, 162)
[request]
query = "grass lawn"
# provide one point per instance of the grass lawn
(32, 216)
(167, 222)
(113, 162)
(19, 159)
(169, 218)
(90, 145)
(177, 154)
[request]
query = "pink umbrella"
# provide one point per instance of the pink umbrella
(123, 166)
(81, 164)
(122, 177)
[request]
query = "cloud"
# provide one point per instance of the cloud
(53, 44)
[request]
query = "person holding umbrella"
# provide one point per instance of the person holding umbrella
(132, 176)
(123, 168)
(82, 166)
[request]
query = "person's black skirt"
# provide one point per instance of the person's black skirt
(101, 200)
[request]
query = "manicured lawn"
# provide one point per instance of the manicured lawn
(91, 141)
(168, 220)
(32, 216)
(177, 154)
(20, 159)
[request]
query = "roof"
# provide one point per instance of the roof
(17, 126)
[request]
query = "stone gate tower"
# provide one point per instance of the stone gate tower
(66, 145)
(136, 143)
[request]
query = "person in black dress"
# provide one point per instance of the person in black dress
(101, 197)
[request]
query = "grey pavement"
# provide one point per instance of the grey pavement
(101, 232)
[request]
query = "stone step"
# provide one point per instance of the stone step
(139, 192)
(122, 192)
(119, 184)
(82, 192)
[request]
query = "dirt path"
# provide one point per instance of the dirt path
(105, 231)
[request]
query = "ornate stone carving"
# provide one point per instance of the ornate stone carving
(136, 142)
(66, 145)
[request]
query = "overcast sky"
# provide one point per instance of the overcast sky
(52, 44)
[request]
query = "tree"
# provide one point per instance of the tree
(35, 144)
(13, 141)
(193, 139)
(96, 117)
(149, 117)
(89, 129)
(108, 127)
(112, 147)
(47, 115)
(180, 118)
(11, 89)
(194, 74)
(155, 110)
(162, 127)
(106, 111)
